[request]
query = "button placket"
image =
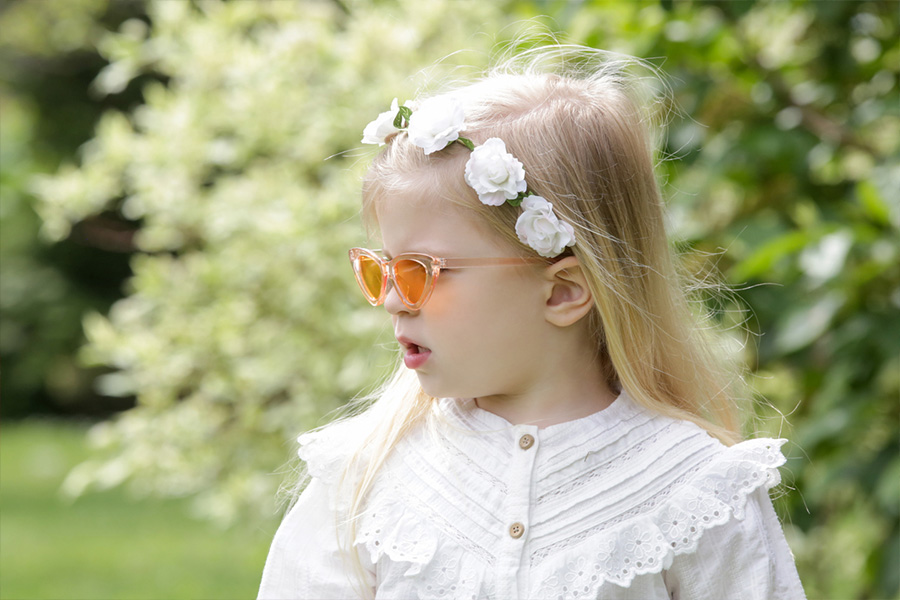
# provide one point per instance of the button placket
(522, 466)
(513, 563)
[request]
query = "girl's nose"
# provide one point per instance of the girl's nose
(392, 302)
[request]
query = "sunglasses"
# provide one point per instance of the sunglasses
(413, 275)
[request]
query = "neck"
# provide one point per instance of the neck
(566, 388)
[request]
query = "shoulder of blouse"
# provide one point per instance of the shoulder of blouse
(327, 449)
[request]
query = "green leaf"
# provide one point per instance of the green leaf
(763, 259)
(804, 324)
(466, 142)
(517, 201)
(403, 114)
(872, 202)
(888, 489)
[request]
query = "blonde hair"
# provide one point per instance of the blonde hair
(581, 123)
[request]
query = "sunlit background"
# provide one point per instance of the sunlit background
(180, 182)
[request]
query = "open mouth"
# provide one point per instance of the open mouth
(416, 349)
(414, 355)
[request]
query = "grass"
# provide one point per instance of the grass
(106, 544)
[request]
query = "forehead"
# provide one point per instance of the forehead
(424, 221)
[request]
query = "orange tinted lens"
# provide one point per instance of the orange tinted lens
(410, 277)
(370, 276)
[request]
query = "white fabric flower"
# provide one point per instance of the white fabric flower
(540, 229)
(435, 123)
(494, 173)
(383, 126)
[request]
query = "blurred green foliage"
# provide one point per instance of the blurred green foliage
(241, 325)
(47, 62)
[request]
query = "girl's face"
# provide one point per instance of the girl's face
(480, 333)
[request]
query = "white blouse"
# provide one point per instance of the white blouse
(620, 504)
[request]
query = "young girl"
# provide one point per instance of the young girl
(560, 427)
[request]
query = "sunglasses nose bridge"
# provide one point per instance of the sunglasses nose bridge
(393, 299)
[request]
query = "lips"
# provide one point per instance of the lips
(415, 355)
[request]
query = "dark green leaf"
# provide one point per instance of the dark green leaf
(517, 201)
(401, 121)
(466, 142)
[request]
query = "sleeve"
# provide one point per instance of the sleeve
(305, 561)
(743, 559)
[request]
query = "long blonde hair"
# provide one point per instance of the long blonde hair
(581, 123)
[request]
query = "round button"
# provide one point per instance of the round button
(516, 530)
(526, 441)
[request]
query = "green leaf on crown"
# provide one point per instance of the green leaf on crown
(466, 142)
(403, 114)
(517, 201)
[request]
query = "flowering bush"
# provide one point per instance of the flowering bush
(242, 326)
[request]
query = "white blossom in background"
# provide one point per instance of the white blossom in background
(242, 326)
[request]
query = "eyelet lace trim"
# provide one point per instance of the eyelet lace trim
(397, 527)
(648, 543)
(642, 509)
(392, 529)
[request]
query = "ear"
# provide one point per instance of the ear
(568, 296)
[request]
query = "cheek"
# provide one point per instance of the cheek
(487, 310)
(477, 295)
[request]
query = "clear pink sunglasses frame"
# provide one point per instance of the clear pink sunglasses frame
(432, 265)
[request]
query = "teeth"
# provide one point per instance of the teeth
(415, 348)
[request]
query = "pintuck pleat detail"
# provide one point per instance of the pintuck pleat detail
(648, 541)
(644, 492)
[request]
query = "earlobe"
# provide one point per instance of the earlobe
(569, 298)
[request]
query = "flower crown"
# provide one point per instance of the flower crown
(495, 174)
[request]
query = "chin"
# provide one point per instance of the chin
(436, 389)
(443, 389)
(430, 387)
